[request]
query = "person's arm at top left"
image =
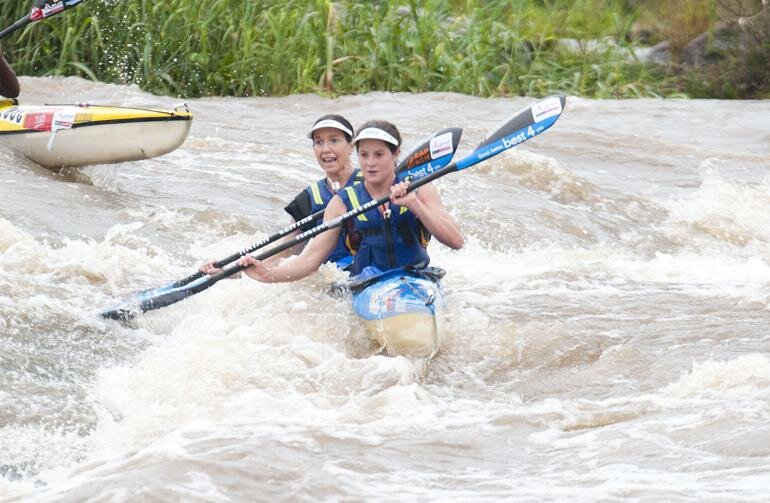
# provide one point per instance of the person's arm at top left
(9, 84)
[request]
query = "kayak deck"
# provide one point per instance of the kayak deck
(401, 311)
(57, 136)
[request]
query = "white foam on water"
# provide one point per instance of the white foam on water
(36, 449)
(75, 263)
(542, 173)
(745, 375)
(10, 235)
(239, 338)
(721, 211)
(16, 489)
(601, 268)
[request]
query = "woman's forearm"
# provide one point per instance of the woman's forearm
(435, 218)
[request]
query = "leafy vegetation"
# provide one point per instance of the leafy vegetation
(260, 47)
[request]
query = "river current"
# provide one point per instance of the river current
(607, 326)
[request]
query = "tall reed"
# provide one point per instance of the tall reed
(260, 47)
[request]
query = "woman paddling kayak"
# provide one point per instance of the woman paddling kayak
(390, 236)
(332, 137)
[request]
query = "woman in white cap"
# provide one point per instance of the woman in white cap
(332, 137)
(389, 236)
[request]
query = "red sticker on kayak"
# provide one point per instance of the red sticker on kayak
(40, 121)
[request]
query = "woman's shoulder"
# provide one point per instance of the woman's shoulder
(299, 207)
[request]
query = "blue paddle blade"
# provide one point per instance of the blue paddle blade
(438, 151)
(155, 298)
(517, 129)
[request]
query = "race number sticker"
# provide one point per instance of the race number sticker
(441, 145)
(546, 108)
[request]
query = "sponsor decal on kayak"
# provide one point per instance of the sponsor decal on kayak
(62, 119)
(39, 121)
(388, 300)
(546, 108)
(12, 114)
(396, 298)
(441, 145)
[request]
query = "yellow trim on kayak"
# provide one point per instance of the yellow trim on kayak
(8, 102)
(12, 117)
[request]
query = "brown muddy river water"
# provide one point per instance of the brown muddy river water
(607, 329)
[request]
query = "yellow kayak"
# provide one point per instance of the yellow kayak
(57, 136)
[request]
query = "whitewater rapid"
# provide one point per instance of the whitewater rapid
(606, 332)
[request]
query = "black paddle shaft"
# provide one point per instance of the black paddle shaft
(518, 129)
(436, 149)
(41, 9)
(414, 157)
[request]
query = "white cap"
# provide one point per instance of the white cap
(374, 133)
(329, 123)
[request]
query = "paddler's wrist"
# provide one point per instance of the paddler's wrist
(252, 273)
(266, 275)
(414, 204)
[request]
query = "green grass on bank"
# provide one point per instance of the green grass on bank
(256, 47)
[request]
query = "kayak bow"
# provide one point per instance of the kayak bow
(56, 136)
(402, 310)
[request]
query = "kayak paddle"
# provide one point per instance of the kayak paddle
(519, 128)
(41, 9)
(442, 145)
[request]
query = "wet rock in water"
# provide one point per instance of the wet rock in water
(659, 54)
(709, 48)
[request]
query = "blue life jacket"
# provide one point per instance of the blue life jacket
(314, 198)
(386, 242)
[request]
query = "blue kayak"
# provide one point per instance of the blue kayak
(401, 308)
